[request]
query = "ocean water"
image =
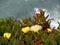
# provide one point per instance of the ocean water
(25, 8)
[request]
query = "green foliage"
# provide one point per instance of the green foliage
(14, 27)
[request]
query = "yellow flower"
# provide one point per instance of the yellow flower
(7, 35)
(25, 29)
(49, 30)
(35, 28)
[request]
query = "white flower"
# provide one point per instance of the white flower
(37, 11)
(54, 25)
(35, 28)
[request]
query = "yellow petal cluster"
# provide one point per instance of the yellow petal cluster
(49, 30)
(35, 28)
(7, 35)
(26, 29)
